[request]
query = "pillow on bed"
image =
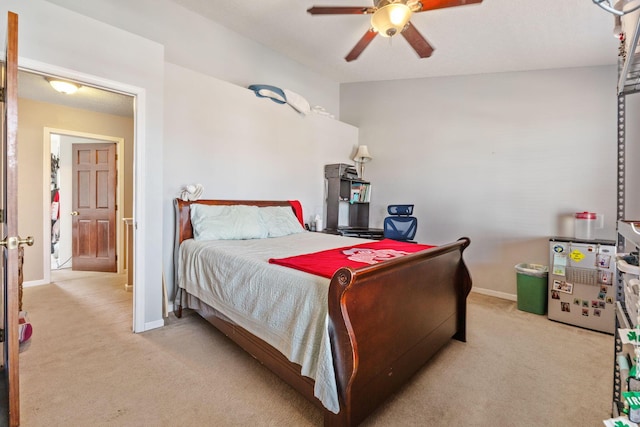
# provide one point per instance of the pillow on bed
(236, 222)
(280, 221)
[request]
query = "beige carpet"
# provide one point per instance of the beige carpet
(84, 367)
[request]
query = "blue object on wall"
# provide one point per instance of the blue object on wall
(266, 91)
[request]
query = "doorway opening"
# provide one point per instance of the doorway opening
(93, 115)
(62, 231)
(99, 93)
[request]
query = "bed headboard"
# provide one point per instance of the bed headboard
(184, 230)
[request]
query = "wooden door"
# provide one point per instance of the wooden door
(10, 391)
(94, 207)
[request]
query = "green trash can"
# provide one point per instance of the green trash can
(532, 287)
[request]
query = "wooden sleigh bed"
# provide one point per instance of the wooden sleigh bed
(385, 321)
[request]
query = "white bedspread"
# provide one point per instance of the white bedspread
(286, 308)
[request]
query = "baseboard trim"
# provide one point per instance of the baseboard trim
(497, 294)
(31, 283)
(153, 325)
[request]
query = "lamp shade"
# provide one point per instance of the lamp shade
(391, 19)
(362, 155)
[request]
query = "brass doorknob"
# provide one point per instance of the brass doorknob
(14, 242)
(74, 213)
(28, 241)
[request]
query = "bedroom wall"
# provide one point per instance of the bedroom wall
(197, 43)
(239, 146)
(53, 39)
(207, 67)
(513, 135)
(505, 159)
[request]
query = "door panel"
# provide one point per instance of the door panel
(9, 200)
(94, 207)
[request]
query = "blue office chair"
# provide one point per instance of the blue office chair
(400, 225)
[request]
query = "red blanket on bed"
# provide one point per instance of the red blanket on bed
(325, 263)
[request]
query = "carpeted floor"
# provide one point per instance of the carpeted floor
(84, 367)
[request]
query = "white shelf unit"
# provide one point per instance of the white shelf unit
(629, 75)
(627, 310)
(628, 238)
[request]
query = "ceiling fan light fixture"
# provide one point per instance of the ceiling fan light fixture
(391, 19)
(63, 86)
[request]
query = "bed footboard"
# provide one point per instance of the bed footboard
(386, 321)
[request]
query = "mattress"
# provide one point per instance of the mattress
(286, 308)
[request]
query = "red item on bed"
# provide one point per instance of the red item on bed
(325, 263)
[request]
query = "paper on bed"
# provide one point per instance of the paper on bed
(286, 308)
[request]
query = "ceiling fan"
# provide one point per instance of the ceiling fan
(390, 17)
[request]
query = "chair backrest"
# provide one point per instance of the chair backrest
(400, 225)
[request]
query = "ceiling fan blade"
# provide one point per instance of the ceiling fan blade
(359, 47)
(441, 4)
(417, 41)
(340, 10)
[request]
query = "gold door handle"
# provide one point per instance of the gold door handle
(74, 213)
(14, 242)
(28, 241)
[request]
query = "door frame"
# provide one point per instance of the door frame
(46, 167)
(139, 178)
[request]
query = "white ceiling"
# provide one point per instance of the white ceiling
(493, 36)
